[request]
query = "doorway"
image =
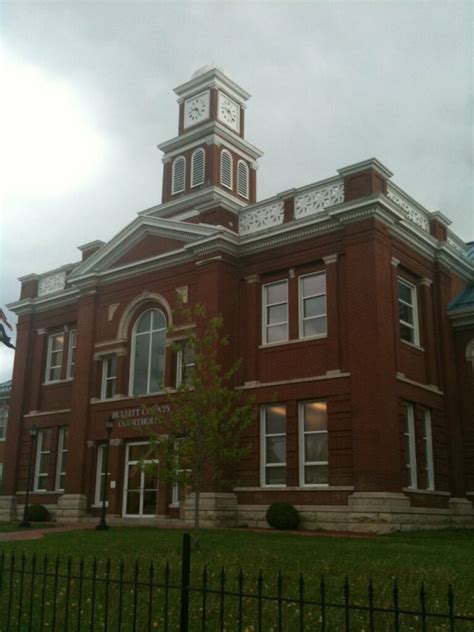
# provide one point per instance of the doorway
(140, 486)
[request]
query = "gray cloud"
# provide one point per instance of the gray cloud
(332, 83)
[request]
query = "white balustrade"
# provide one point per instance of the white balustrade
(413, 214)
(254, 220)
(52, 283)
(319, 198)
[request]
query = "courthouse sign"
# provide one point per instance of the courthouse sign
(139, 417)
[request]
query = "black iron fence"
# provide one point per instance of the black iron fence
(65, 596)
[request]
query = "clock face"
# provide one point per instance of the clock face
(196, 109)
(229, 112)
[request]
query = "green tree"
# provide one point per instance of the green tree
(199, 441)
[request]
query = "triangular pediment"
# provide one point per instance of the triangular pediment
(144, 239)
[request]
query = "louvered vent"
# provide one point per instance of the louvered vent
(226, 169)
(178, 175)
(242, 179)
(197, 168)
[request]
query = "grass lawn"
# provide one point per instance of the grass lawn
(435, 557)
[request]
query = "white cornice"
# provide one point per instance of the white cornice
(371, 163)
(198, 200)
(212, 131)
(25, 306)
(213, 78)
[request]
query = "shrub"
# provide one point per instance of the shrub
(38, 513)
(283, 516)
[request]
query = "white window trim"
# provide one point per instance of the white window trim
(263, 450)
(105, 379)
(301, 434)
(4, 410)
(39, 443)
(199, 150)
(414, 307)
(72, 345)
(48, 359)
(264, 313)
(411, 464)
(179, 367)
(247, 170)
(98, 475)
(173, 189)
(428, 442)
(59, 459)
(227, 186)
(132, 358)
(301, 306)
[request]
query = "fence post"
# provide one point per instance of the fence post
(185, 579)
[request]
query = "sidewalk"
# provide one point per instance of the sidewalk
(36, 534)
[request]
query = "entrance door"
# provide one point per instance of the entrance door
(141, 486)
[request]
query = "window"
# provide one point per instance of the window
(273, 449)
(176, 486)
(313, 453)
(43, 451)
(100, 475)
(408, 312)
(313, 321)
(178, 175)
(62, 457)
(3, 422)
(55, 357)
(275, 312)
(428, 445)
(148, 353)
(186, 365)
(242, 179)
(410, 446)
(71, 356)
(197, 167)
(109, 377)
(226, 168)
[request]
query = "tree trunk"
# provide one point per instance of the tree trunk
(196, 519)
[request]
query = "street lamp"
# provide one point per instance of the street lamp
(33, 434)
(109, 426)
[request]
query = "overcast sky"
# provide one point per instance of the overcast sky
(87, 93)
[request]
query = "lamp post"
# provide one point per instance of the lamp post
(109, 426)
(33, 434)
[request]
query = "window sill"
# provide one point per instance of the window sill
(53, 382)
(41, 492)
(412, 345)
(99, 506)
(431, 492)
(270, 345)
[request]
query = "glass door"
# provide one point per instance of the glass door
(141, 486)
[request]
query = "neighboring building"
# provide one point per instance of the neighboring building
(348, 302)
(5, 388)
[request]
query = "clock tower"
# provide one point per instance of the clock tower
(209, 164)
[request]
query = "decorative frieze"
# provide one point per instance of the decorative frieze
(255, 220)
(52, 283)
(318, 199)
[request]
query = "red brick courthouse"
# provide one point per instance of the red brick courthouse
(350, 304)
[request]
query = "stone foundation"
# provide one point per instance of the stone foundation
(71, 507)
(8, 508)
(369, 513)
(216, 510)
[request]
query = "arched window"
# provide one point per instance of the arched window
(242, 179)
(178, 176)
(197, 167)
(226, 168)
(148, 353)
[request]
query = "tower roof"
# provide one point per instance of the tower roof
(207, 68)
(211, 76)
